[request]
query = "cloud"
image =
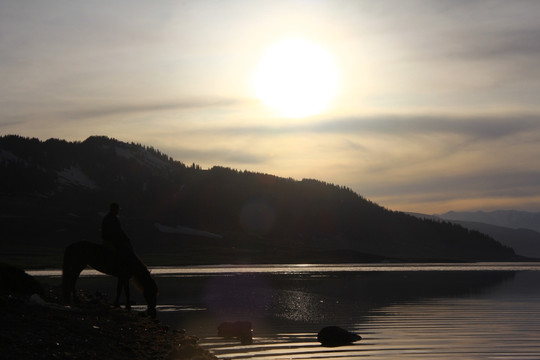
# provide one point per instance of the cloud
(391, 158)
(26, 114)
(498, 182)
(466, 29)
(487, 127)
(216, 156)
(475, 190)
(483, 127)
(119, 109)
(510, 44)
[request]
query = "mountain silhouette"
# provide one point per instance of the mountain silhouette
(524, 241)
(506, 218)
(55, 192)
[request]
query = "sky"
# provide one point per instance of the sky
(431, 106)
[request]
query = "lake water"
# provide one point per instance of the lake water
(412, 311)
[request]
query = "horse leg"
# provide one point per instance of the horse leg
(118, 293)
(74, 281)
(70, 273)
(122, 283)
(126, 291)
(67, 288)
(69, 279)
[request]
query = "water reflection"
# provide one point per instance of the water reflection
(339, 298)
(405, 313)
(456, 328)
(314, 269)
(287, 310)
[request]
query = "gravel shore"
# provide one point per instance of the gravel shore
(39, 327)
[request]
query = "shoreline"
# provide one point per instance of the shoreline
(39, 327)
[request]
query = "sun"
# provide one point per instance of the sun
(296, 78)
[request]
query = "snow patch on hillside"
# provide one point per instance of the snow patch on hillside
(154, 161)
(75, 176)
(143, 157)
(8, 156)
(186, 231)
(123, 152)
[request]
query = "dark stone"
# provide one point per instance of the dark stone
(332, 336)
(241, 330)
(15, 280)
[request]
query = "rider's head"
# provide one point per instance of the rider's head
(114, 208)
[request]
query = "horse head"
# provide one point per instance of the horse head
(150, 293)
(149, 288)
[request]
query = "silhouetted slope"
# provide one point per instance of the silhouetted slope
(56, 192)
(506, 218)
(525, 242)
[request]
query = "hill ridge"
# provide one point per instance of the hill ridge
(261, 217)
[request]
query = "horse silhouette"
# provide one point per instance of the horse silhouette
(84, 253)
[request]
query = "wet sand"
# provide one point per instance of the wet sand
(41, 328)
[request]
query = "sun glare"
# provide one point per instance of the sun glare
(296, 78)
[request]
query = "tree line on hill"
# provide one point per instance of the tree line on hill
(62, 188)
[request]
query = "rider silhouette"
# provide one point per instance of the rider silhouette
(114, 237)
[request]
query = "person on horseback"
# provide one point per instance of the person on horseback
(118, 242)
(114, 237)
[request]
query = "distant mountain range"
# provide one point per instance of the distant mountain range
(518, 229)
(55, 192)
(506, 218)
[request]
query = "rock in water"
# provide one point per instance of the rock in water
(238, 329)
(336, 336)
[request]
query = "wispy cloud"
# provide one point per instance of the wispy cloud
(458, 30)
(485, 127)
(474, 127)
(476, 190)
(127, 109)
(104, 111)
(217, 156)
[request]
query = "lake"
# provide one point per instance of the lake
(402, 311)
